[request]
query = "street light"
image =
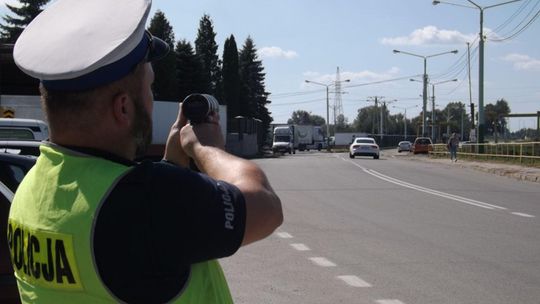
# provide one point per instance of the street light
(405, 118)
(425, 81)
(481, 122)
(327, 107)
(433, 105)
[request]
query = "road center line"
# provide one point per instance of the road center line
(522, 214)
(284, 235)
(354, 281)
(300, 247)
(428, 190)
(323, 262)
(389, 302)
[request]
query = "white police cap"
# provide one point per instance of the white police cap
(77, 45)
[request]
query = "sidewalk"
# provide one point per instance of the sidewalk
(530, 174)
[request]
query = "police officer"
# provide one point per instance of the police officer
(90, 225)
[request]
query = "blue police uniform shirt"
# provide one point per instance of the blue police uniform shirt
(157, 221)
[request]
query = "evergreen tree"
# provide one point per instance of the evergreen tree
(231, 79)
(165, 83)
(254, 98)
(188, 68)
(13, 27)
(206, 48)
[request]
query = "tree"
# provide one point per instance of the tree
(231, 79)
(342, 124)
(366, 119)
(493, 115)
(188, 70)
(206, 49)
(302, 117)
(254, 97)
(165, 82)
(13, 27)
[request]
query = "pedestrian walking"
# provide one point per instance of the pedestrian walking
(453, 144)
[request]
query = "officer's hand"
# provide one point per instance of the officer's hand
(201, 135)
(173, 150)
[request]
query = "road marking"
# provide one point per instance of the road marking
(300, 247)
(323, 262)
(389, 302)
(522, 214)
(354, 281)
(428, 190)
(284, 235)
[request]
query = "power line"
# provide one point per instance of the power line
(513, 16)
(515, 31)
(298, 102)
(380, 81)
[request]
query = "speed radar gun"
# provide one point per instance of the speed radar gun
(197, 108)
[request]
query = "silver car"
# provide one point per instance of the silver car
(404, 146)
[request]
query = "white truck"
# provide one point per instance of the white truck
(283, 140)
(307, 137)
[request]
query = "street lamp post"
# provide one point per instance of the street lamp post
(481, 120)
(433, 104)
(425, 81)
(327, 86)
(405, 119)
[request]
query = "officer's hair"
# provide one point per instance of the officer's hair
(82, 109)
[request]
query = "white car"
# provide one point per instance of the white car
(364, 146)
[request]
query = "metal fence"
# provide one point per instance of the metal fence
(518, 152)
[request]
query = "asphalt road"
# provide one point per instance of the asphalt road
(392, 231)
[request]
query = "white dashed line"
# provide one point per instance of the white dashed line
(300, 247)
(389, 302)
(354, 281)
(323, 262)
(522, 214)
(284, 235)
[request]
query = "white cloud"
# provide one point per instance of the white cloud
(361, 76)
(523, 62)
(430, 35)
(276, 52)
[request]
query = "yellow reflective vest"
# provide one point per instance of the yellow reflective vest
(50, 232)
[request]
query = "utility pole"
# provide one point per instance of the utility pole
(470, 86)
(481, 120)
(376, 99)
(338, 105)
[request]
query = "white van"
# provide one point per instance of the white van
(23, 129)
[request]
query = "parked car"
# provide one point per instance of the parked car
(364, 146)
(422, 145)
(23, 129)
(404, 146)
(20, 147)
(12, 170)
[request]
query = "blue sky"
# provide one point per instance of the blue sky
(302, 40)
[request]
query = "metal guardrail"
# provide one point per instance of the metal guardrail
(518, 151)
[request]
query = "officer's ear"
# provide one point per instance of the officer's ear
(123, 109)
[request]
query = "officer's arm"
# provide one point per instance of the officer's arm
(263, 207)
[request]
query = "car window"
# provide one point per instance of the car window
(364, 141)
(11, 175)
(423, 141)
(16, 133)
(282, 138)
